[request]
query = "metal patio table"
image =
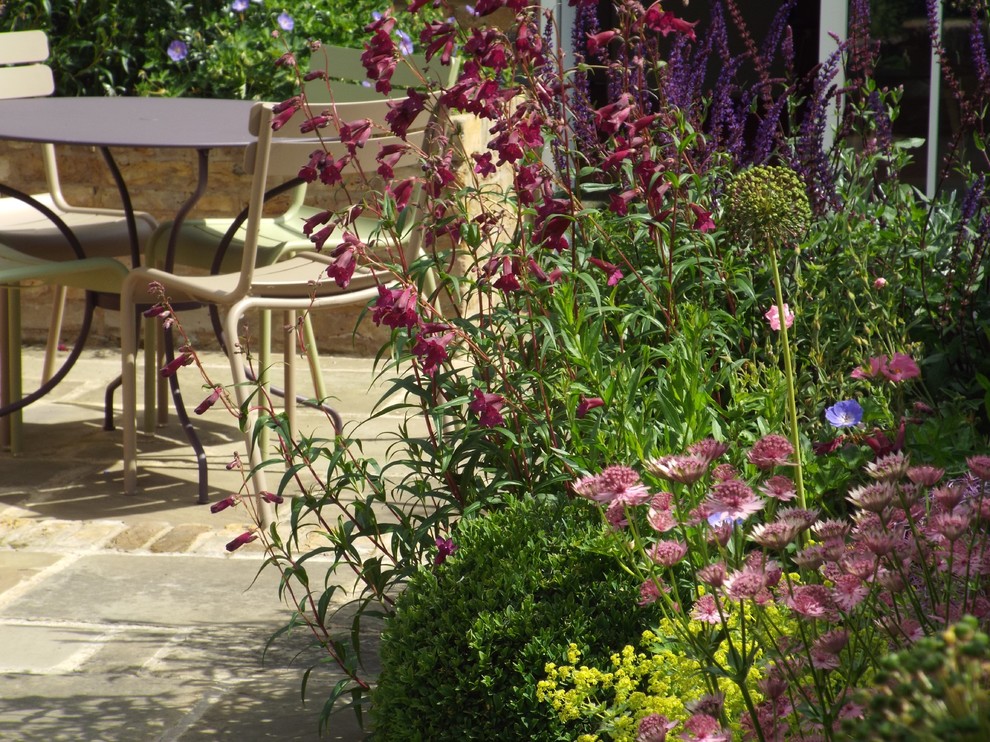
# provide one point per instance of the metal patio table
(125, 122)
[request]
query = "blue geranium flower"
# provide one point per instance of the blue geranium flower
(844, 414)
(177, 50)
(285, 21)
(239, 6)
(405, 43)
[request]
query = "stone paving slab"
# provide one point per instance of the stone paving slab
(124, 618)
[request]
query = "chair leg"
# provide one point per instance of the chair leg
(128, 371)
(264, 369)
(54, 333)
(289, 359)
(162, 403)
(313, 359)
(6, 349)
(14, 367)
(151, 377)
(256, 452)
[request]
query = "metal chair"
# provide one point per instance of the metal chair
(216, 244)
(298, 283)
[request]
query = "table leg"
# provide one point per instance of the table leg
(5, 351)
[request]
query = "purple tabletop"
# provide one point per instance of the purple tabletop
(199, 123)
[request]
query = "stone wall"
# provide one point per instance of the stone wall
(159, 182)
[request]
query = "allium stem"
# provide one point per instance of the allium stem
(789, 374)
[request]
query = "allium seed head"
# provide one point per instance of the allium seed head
(767, 204)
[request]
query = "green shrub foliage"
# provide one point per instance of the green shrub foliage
(470, 638)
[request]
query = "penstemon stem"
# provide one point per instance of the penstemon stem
(789, 375)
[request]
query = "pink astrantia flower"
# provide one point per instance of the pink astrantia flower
(712, 574)
(811, 601)
(648, 593)
(900, 367)
(706, 610)
(770, 451)
(733, 500)
(780, 488)
(704, 728)
(614, 483)
(979, 466)
(683, 469)
(668, 553)
(654, 728)
(773, 316)
(708, 448)
(879, 283)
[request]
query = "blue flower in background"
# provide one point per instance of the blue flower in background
(239, 6)
(844, 414)
(285, 21)
(405, 43)
(177, 50)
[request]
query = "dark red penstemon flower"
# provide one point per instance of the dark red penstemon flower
(665, 22)
(379, 58)
(599, 41)
(439, 37)
(341, 270)
(245, 538)
(395, 308)
(703, 219)
(355, 133)
(403, 113)
(401, 192)
(311, 170)
(486, 407)
(445, 548)
(225, 503)
(314, 221)
(183, 359)
(431, 347)
(388, 157)
(611, 270)
(587, 404)
(483, 164)
(610, 118)
(211, 400)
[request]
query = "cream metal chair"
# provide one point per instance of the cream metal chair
(295, 284)
(216, 244)
(45, 225)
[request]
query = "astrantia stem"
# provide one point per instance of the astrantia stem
(789, 375)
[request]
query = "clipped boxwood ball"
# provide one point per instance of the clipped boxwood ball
(462, 656)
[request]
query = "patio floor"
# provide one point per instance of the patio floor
(124, 618)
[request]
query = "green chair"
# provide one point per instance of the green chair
(35, 224)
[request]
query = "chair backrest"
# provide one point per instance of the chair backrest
(347, 79)
(22, 74)
(280, 155)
